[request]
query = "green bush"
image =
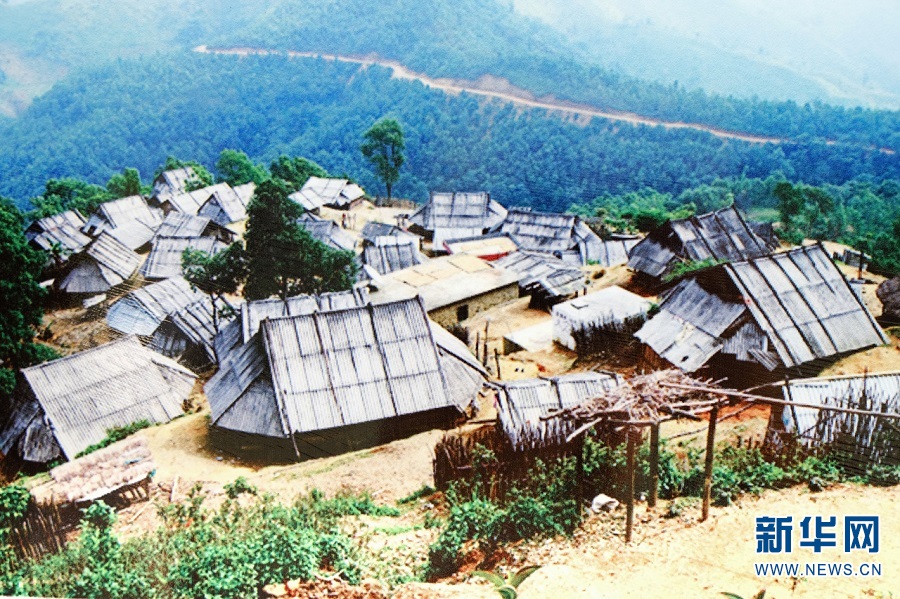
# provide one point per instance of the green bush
(116, 434)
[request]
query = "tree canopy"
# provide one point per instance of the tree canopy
(383, 146)
(296, 170)
(235, 168)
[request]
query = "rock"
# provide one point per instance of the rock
(604, 503)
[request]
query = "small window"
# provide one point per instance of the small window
(462, 312)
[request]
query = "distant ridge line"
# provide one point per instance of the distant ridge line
(495, 87)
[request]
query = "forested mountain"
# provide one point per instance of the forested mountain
(135, 113)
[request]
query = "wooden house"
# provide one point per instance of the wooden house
(130, 220)
(164, 261)
(456, 215)
(188, 334)
(171, 183)
(226, 205)
(453, 288)
(328, 232)
(548, 280)
(60, 236)
(521, 404)
(373, 229)
(720, 236)
(179, 224)
(141, 311)
(599, 321)
(335, 193)
(789, 312)
(104, 264)
(337, 380)
(565, 236)
(391, 253)
(63, 406)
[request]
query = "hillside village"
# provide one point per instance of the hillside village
(471, 323)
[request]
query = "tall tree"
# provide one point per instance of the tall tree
(69, 194)
(124, 184)
(216, 274)
(235, 168)
(296, 170)
(283, 259)
(20, 296)
(383, 146)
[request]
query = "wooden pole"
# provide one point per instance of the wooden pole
(654, 465)
(710, 454)
(478, 346)
(579, 470)
(629, 518)
(497, 361)
(484, 352)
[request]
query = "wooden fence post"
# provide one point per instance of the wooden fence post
(710, 451)
(654, 465)
(629, 518)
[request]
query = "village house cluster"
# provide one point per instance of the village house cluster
(319, 375)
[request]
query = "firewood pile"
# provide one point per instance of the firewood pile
(644, 400)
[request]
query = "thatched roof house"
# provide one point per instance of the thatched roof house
(456, 215)
(130, 220)
(564, 235)
(452, 287)
(226, 205)
(324, 371)
(390, 253)
(164, 261)
(780, 311)
(60, 235)
(720, 236)
(188, 334)
(143, 310)
(328, 232)
(522, 404)
(63, 406)
(105, 263)
(599, 320)
(319, 191)
(545, 278)
(179, 224)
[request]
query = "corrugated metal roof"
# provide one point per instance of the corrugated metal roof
(62, 229)
(143, 310)
(459, 212)
(319, 191)
(193, 325)
(611, 252)
(522, 403)
(329, 233)
(879, 392)
(389, 253)
(164, 260)
(542, 271)
(172, 182)
(113, 385)
(104, 264)
(722, 235)
(120, 212)
(373, 229)
(610, 306)
(225, 205)
(179, 224)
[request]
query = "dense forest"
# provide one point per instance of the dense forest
(135, 113)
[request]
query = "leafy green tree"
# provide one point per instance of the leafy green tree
(69, 194)
(283, 259)
(20, 296)
(296, 170)
(383, 146)
(235, 168)
(216, 274)
(127, 183)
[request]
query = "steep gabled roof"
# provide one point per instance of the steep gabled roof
(194, 325)
(319, 191)
(789, 308)
(130, 220)
(522, 403)
(190, 202)
(329, 232)
(112, 385)
(104, 264)
(179, 224)
(225, 205)
(467, 212)
(62, 229)
(722, 236)
(612, 252)
(389, 253)
(331, 369)
(542, 271)
(164, 260)
(172, 182)
(373, 229)
(143, 310)
(551, 233)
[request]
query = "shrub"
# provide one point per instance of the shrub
(116, 434)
